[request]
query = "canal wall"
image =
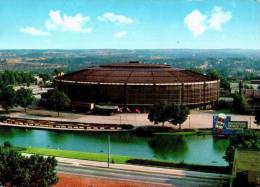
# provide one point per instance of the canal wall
(62, 125)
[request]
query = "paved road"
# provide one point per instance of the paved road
(197, 119)
(151, 178)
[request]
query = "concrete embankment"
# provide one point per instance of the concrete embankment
(61, 125)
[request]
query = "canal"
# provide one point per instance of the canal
(202, 149)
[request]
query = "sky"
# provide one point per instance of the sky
(129, 24)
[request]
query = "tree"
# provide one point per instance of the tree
(178, 114)
(175, 114)
(197, 70)
(214, 74)
(247, 140)
(45, 77)
(13, 77)
(24, 97)
(18, 170)
(56, 100)
(157, 114)
(7, 97)
(240, 87)
(7, 144)
(239, 103)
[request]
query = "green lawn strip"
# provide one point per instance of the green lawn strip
(77, 155)
(118, 159)
(186, 133)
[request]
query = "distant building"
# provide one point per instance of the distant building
(38, 79)
(249, 70)
(138, 84)
(234, 87)
(255, 81)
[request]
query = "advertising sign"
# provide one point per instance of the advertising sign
(222, 125)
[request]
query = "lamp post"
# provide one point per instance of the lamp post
(108, 150)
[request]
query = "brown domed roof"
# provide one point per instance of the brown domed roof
(132, 73)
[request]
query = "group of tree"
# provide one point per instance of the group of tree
(9, 97)
(19, 170)
(224, 82)
(214, 74)
(240, 103)
(15, 77)
(247, 140)
(55, 100)
(175, 114)
(45, 77)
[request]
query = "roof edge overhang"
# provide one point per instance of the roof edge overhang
(118, 83)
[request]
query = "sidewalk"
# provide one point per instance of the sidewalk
(138, 168)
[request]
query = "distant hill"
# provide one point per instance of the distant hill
(231, 62)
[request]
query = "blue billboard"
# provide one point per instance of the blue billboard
(223, 125)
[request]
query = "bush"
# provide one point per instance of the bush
(214, 169)
(240, 104)
(248, 140)
(7, 144)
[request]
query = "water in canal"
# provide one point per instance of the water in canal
(203, 149)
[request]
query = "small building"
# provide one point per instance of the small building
(246, 165)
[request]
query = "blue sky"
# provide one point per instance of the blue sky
(129, 24)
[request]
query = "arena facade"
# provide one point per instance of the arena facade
(138, 84)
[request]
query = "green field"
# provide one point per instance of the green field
(77, 155)
(120, 159)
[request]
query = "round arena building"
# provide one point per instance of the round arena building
(138, 84)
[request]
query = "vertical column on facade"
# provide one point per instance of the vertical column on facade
(125, 94)
(218, 88)
(99, 91)
(181, 94)
(204, 92)
(154, 94)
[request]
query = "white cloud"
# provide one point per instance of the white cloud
(120, 34)
(218, 18)
(116, 18)
(196, 22)
(67, 23)
(33, 31)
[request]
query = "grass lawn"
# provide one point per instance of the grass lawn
(76, 155)
(119, 159)
(186, 133)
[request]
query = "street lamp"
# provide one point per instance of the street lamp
(108, 150)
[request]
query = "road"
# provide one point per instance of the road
(150, 178)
